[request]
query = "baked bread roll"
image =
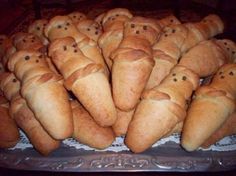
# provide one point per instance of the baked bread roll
(87, 131)
(24, 117)
(9, 133)
(36, 134)
(43, 92)
(37, 28)
(161, 109)
(168, 21)
(8, 53)
(133, 61)
(90, 28)
(62, 26)
(77, 17)
(113, 26)
(85, 78)
(210, 109)
(178, 39)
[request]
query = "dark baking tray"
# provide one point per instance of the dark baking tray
(167, 157)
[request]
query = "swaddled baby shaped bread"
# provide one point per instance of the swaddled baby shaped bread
(37, 28)
(133, 61)
(85, 78)
(24, 117)
(43, 91)
(113, 26)
(161, 109)
(212, 106)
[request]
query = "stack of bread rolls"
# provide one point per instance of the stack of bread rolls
(117, 75)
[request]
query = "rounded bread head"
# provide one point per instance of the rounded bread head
(116, 13)
(77, 16)
(141, 27)
(38, 26)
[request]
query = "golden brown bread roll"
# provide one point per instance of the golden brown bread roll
(9, 133)
(87, 131)
(113, 26)
(44, 93)
(133, 61)
(37, 28)
(161, 109)
(210, 108)
(85, 78)
(62, 26)
(24, 117)
(99, 18)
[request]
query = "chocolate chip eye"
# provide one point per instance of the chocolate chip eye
(175, 80)
(231, 73)
(132, 25)
(173, 31)
(222, 77)
(96, 27)
(137, 32)
(184, 78)
(38, 28)
(65, 28)
(228, 49)
(32, 41)
(220, 73)
(59, 26)
(27, 57)
(96, 33)
(37, 61)
(75, 51)
(225, 43)
(174, 74)
(64, 48)
(88, 29)
(74, 16)
(144, 27)
(14, 80)
(24, 40)
(171, 20)
(117, 15)
(74, 45)
(68, 24)
(44, 24)
(233, 52)
(166, 35)
(113, 19)
(40, 56)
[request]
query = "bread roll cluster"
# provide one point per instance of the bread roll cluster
(129, 75)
